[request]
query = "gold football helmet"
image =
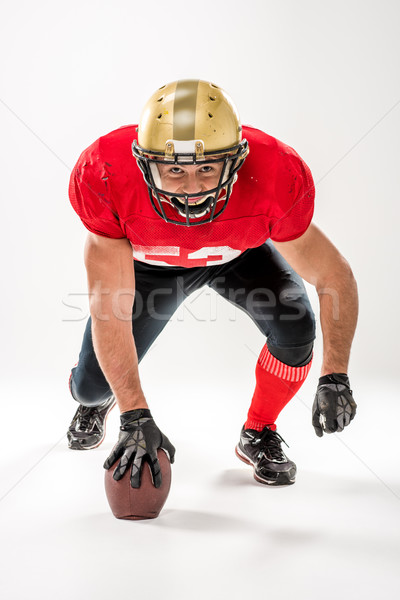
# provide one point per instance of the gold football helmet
(190, 122)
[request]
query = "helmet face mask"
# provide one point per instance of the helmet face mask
(179, 208)
(190, 122)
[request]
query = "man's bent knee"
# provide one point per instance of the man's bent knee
(295, 356)
(297, 331)
(88, 393)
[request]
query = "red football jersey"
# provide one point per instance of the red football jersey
(272, 198)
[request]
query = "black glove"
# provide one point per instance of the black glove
(334, 406)
(139, 439)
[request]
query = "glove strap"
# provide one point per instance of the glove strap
(335, 378)
(134, 415)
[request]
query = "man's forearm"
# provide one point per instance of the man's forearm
(338, 299)
(116, 352)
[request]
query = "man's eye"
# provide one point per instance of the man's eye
(206, 169)
(175, 170)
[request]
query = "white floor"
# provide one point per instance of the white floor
(334, 534)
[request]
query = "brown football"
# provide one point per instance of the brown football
(145, 502)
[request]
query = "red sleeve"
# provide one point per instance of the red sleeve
(296, 194)
(89, 194)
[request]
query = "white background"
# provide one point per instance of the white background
(323, 78)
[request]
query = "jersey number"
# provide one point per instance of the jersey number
(176, 256)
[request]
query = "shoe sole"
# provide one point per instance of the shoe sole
(282, 480)
(76, 446)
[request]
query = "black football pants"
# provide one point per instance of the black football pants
(259, 281)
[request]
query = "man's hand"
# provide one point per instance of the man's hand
(334, 406)
(139, 439)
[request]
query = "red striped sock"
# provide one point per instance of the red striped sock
(276, 384)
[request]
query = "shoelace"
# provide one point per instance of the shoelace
(272, 440)
(86, 414)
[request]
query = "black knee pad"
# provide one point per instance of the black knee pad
(87, 392)
(295, 356)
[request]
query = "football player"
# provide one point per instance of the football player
(190, 198)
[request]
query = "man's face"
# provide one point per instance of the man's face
(190, 179)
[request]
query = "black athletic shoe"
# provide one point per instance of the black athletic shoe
(88, 427)
(262, 450)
